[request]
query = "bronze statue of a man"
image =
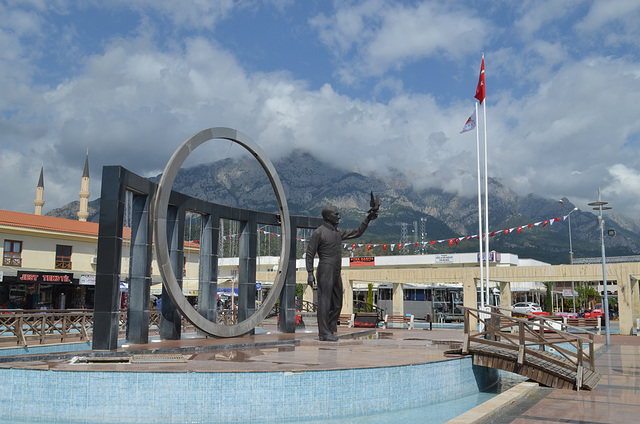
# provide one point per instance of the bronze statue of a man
(326, 241)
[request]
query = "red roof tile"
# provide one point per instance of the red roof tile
(63, 225)
(49, 223)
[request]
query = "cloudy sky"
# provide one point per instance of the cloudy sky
(371, 85)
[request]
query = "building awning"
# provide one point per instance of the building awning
(189, 288)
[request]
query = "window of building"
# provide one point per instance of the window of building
(385, 294)
(12, 255)
(63, 257)
(414, 294)
(409, 294)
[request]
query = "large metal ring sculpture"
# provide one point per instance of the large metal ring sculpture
(160, 208)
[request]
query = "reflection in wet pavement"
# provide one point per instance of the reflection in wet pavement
(239, 355)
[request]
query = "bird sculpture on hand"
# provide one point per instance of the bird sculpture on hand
(374, 203)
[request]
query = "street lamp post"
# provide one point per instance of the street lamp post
(600, 206)
(573, 290)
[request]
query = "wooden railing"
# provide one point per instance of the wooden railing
(531, 337)
(227, 316)
(28, 327)
(305, 306)
(24, 327)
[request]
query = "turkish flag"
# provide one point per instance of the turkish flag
(480, 89)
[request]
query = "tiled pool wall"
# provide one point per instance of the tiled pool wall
(39, 396)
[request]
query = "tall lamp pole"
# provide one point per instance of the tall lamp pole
(600, 206)
(573, 290)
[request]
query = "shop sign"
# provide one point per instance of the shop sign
(364, 261)
(44, 277)
(493, 257)
(88, 279)
(444, 259)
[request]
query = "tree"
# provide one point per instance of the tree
(369, 297)
(585, 294)
(548, 300)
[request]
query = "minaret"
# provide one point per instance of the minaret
(83, 213)
(39, 202)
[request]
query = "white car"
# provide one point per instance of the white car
(525, 308)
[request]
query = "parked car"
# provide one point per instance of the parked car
(526, 308)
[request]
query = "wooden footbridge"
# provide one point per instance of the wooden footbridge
(550, 352)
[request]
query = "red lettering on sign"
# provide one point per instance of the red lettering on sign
(51, 278)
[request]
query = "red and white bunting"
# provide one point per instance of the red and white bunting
(452, 241)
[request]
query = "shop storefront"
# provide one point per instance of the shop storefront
(47, 290)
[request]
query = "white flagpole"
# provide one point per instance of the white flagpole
(486, 185)
(479, 212)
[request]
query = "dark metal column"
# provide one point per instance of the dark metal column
(208, 278)
(139, 272)
(247, 268)
(287, 310)
(107, 294)
(171, 322)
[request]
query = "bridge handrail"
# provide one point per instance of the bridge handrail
(563, 325)
(548, 324)
(493, 335)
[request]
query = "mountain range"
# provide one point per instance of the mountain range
(310, 184)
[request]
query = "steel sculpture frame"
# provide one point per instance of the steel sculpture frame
(161, 203)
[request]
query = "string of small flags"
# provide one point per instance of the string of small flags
(451, 241)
